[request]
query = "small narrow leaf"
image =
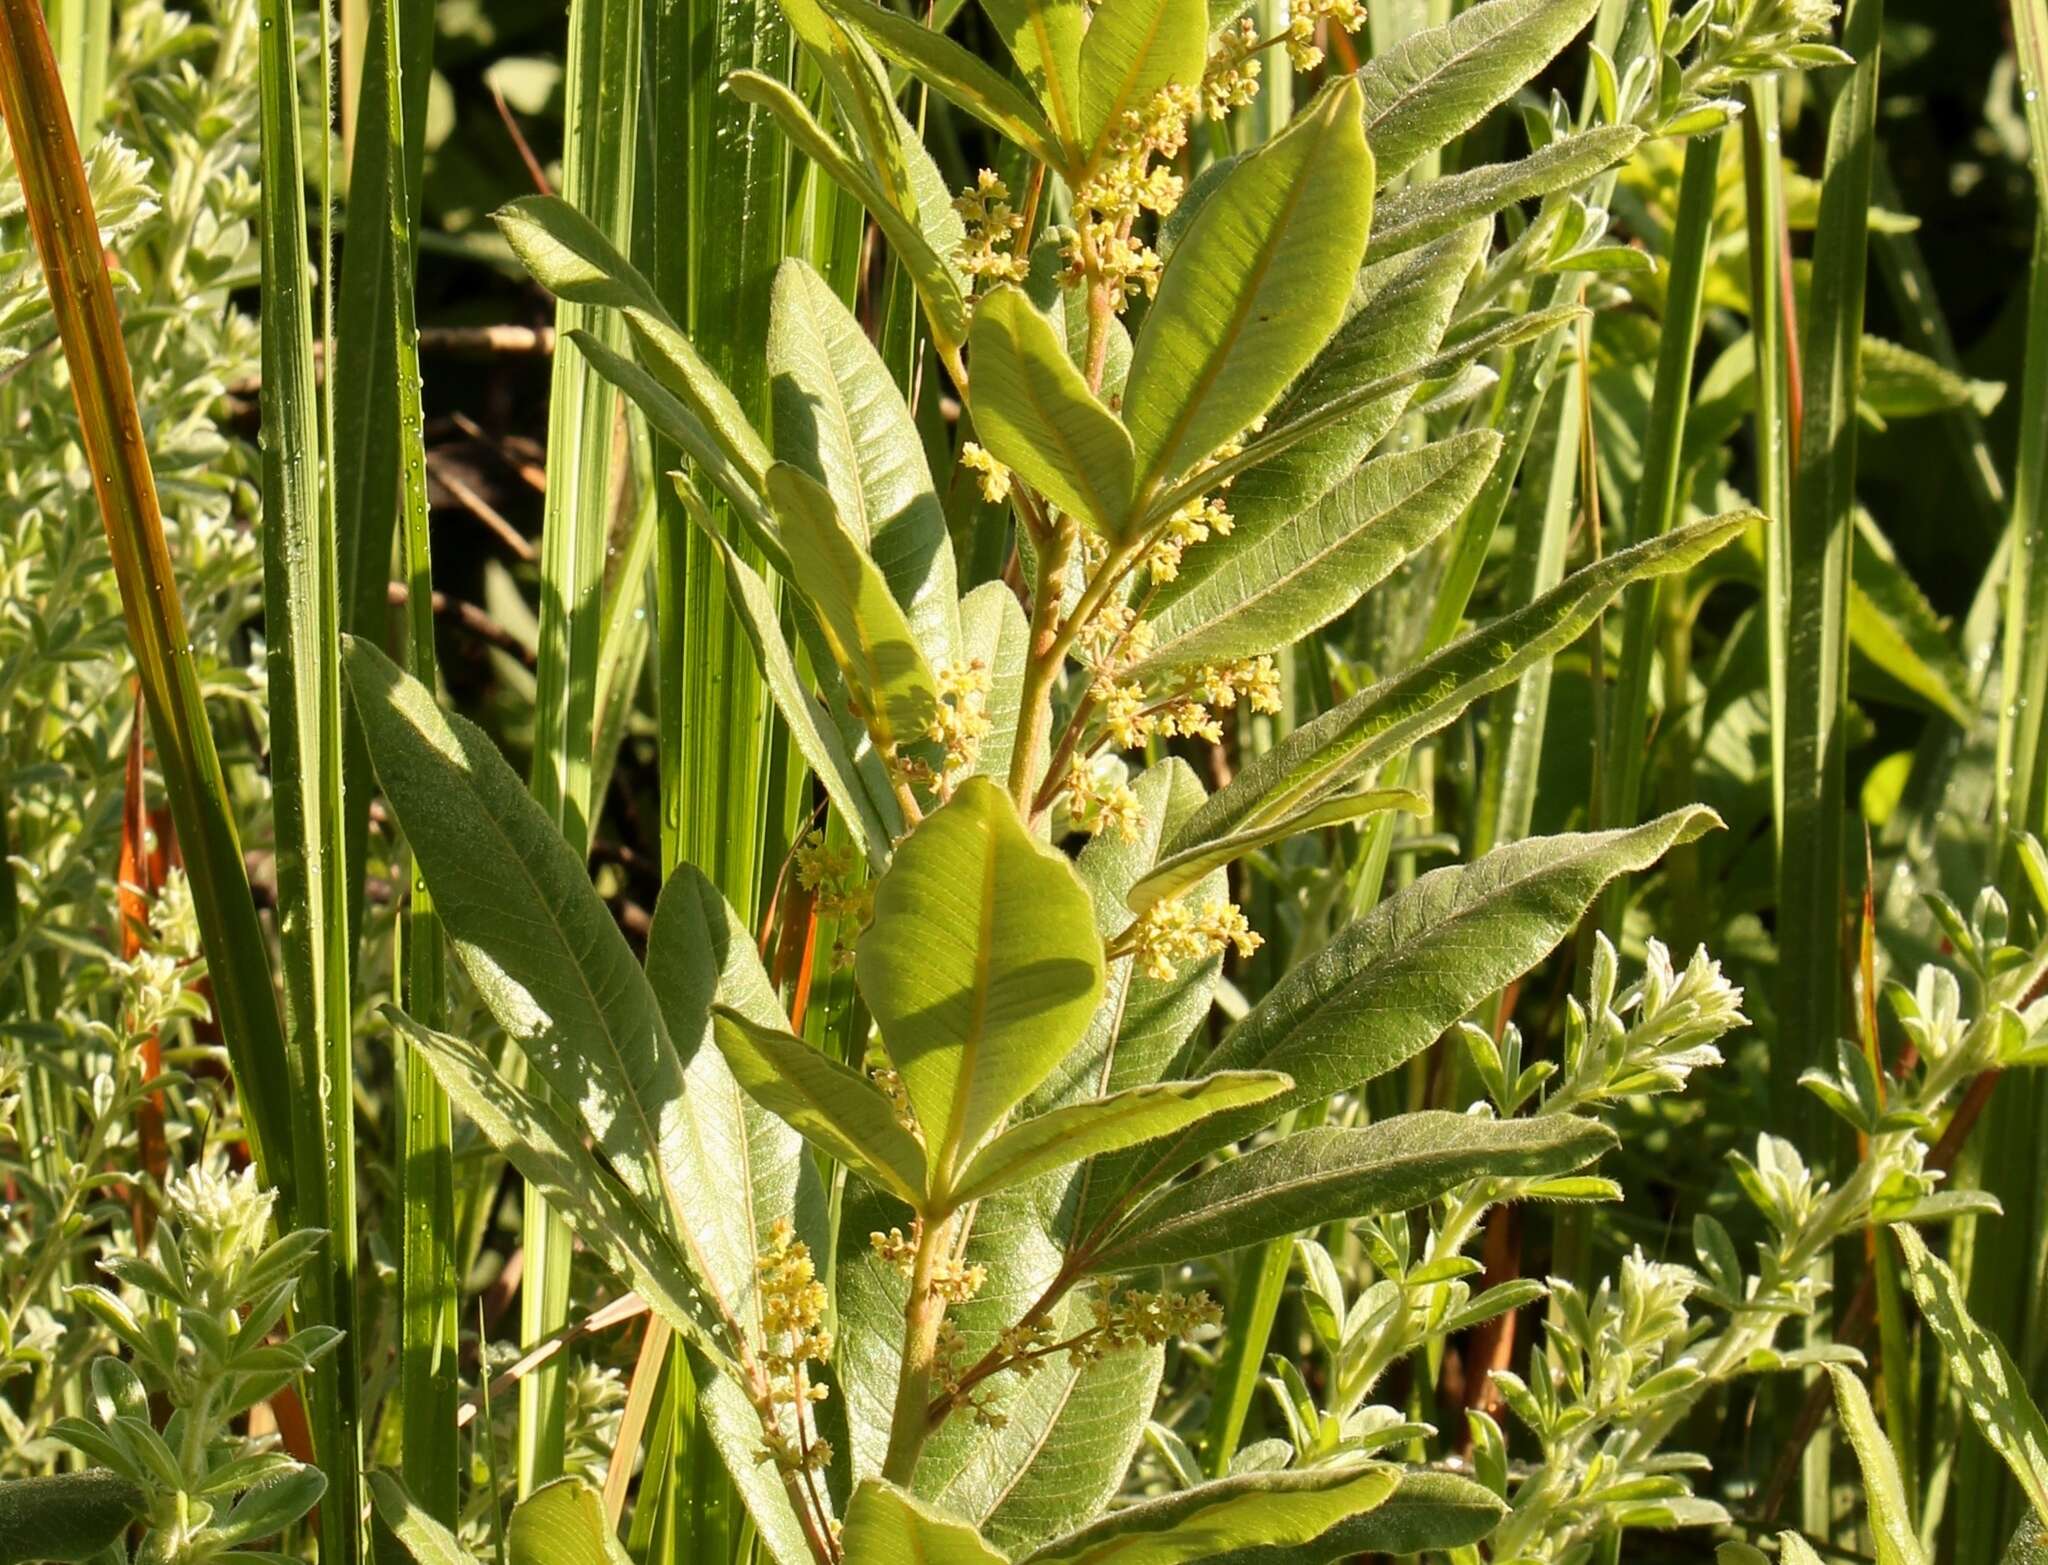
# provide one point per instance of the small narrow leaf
(956, 74)
(1253, 290)
(1331, 1174)
(982, 967)
(831, 1105)
(1418, 213)
(1890, 1516)
(1034, 413)
(1100, 1125)
(871, 640)
(1184, 871)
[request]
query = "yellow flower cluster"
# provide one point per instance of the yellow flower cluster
(895, 1247)
(1170, 933)
(833, 877)
(952, 1280)
(1136, 1318)
(1200, 517)
(793, 1305)
(1113, 639)
(891, 1086)
(961, 721)
(1231, 79)
(1097, 804)
(992, 229)
(1348, 15)
(991, 475)
(1125, 182)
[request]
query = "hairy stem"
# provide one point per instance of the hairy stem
(925, 1312)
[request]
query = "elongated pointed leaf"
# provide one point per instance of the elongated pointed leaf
(1441, 82)
(424, 1540)
(993, 628)
(1893, 625)
(1993, 1387)
(1184, 871)
(832, 1106)
(1132, 50)
(1350, 739)
(886, 1526)
(1124, 1119)
(1419, 213)
(1269, 590)
(1033, 411)
(871, 640)
(981, 967)
(937, 281)
(1428, 1511)
(1391, 982)
(840, 419)
(1046, 39)
(562, 1523)
(1329, 1174)
(1889, 1515)
(1253, 290)
(1290, 1509)
(856, 797)
(958, 75)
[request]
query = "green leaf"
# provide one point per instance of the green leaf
(1390, 983)
(885, 1526)
(1351, 738)
(861, 799)
(982, 967)
(1183, 871)
(562, 1523)
(1253, 290)
(1890, 1516)
(993, 628)
(1046, 39)
(958, 75)
(831, 1105)
(1254, 1509)
(1441, 82)
(839, 418)
(1992, 1386)
(1033, 411)
(1893, 625)
(1418, 213)
(2028, 1546)
(1269, 589)
(1896, 382)
(870, 639)
(937, 282)
(567, 255)
(1099, 1125)
(1132, 49)
(66, 1516)
(424, 1540)
(1429, 1511)
(1328, 1174)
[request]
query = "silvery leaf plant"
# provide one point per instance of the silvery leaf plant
(930, 1280)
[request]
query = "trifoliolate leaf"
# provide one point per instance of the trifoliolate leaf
(886, 1526)
(1419, 213)
(1253, 290)
(1103, 1125)
(1291, 1509)
(1330, 1174)
(839, 417)
(1884, 1493)
(1351, 738)
(1268, 590)
(1034, 413)
(1133, 49)
(831, 1105)
(1992, 1386)
(1182, 872)
(871, 640)
(981, 967)
(1391, 982)
(562, 1523)
(1441, 82)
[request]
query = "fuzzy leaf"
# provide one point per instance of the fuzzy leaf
(958, 75)
(1253, 290)
(885, 1526)
(562, 1523)
(425, 1541)
(1100, 1125)
(1255, 1509)
(1330, 1174)
(66, 1516)
(1416, 214)
(1441, 82)
(1132, 49)
(981, 967)
(1884, 1494)
(1179, 874)
(1033, 411)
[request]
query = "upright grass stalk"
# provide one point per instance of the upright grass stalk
(599, 157)
(302, 621)
(1658, 502)
(427, 1343)
(66, 236)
